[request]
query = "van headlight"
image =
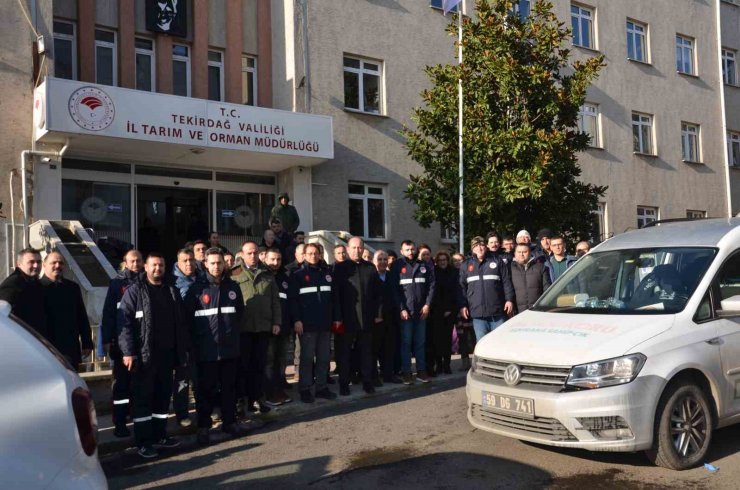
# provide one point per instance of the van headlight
(611, 372)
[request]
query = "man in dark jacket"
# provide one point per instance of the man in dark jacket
(384, 334)
(415, 286)
(215, 308)
(529, 277)
(185, 273)
(277, 351)
(66, 316)
(24, 292)
(121, 384)
(312, 311)
(487, 294)
(153, 337)
(286, 213)
(360, 296)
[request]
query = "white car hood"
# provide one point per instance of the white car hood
(567, 339)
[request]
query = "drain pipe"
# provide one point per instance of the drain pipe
(13, 173)
(25, 154)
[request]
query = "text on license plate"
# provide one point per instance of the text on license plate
(524, 406)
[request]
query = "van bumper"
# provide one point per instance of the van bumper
(617, 418)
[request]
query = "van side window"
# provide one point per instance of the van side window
(728, 278)
(704, 312)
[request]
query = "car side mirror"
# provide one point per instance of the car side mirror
(730, 307)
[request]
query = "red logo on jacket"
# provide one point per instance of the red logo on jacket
(403, 270)
(307, 278)
(205, 298)
(470, 268)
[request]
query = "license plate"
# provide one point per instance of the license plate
(506, 403)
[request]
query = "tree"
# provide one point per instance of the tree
(521, 98)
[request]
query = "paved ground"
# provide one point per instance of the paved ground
(414, 437)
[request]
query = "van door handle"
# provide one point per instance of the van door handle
(714, 341)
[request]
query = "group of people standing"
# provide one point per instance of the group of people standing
(222, 323)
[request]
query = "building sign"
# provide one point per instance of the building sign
(78, 108)
(168, 17)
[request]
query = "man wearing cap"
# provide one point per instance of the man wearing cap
(543, 252)
(285, 213)
(487, 292)
(523, 237)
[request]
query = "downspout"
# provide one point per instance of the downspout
(306, 57)
(726, 158)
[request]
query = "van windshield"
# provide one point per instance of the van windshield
(633, 282)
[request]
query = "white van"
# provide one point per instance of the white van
(636, 347)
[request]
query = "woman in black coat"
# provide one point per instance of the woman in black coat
(442, 316)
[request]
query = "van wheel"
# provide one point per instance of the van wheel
(683, 427)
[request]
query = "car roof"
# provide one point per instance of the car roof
(695, 233)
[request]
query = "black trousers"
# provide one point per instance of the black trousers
(362, 340)
(384, 348)
(185, 378)
(216, 381)
(120, 387)
(151, 388)
(439, 340)
(277, 360)
(253, 359)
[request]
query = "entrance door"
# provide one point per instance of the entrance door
(167, 218)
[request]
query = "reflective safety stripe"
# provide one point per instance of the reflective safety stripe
(228, 309)
(118, 305)
(139, 314)
(283, 295)
(326, 288)
(405, 281)
(208, 312)
(159, 415)
(491, 277)
(308, 290)
(473, 278)
(420, 279)
(143, 419)
(120, 402)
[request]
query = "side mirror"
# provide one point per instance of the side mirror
(730, 307)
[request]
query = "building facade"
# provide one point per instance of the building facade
(314, 93)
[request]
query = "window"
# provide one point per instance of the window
(181, 70)
(588, 122)
(362, 85)
(448, 235)
(733, 149)
(690, 142)
(581, 19)
(249, 80)
(636, 41)
(367, 211)
(522, 8)
(685, 55)
(65, 50)
(106, 65)
(145, 67)
(729, 67)
(694, 214)
(646, 215)
(437, 4)
(599, 228)
(642, 133)
(215, 75)
(728, 278)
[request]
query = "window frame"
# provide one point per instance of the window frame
(633, 33)
(438, 5)
(688, 130)
(365, 209)
(220, 66)
(729, 77)
(733, 138)
(680, 38)
(188, 75)
(595, 141)
(651, 133)
(114, 53)
(644, 216)
(695, 214)
(152, 61)
(66, 37)
(591, 19)
(253, 70)
(360, 72)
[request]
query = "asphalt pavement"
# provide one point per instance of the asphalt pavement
(405, 437)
